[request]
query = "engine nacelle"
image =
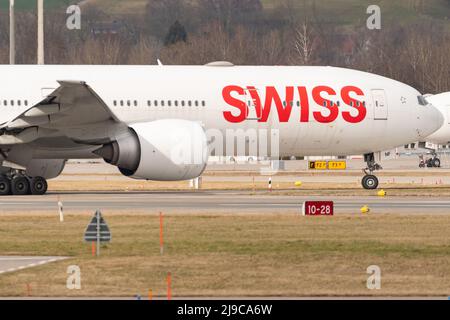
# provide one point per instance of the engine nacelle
(45, 168)
(163, 150)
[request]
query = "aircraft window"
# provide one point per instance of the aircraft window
(18, 103)
(121, 103)
(5, 103)
(169, 103)
(12, 103)
(149, 103)
(26, 103)
(128, 103)
(162, 103)
(422, 100)
(298, 103)
(115, 103)
(155, 103)
(135, 103)
(176, 103)
(292, 103)
(182, 103)
(203, 103)
(196, 103)
(324, 103)
(338, 103)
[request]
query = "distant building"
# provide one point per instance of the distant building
(108, 28)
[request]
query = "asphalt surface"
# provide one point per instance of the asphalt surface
(220, 201)
(13, 263)
(336, 298)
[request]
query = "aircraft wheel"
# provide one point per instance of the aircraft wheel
(38, 186)
(5, 186)
(20, 186)
(370, 182)
(436, 163)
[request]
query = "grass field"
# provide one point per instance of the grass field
(233, 255)
(248, 187)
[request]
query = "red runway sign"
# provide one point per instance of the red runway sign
(318, 208)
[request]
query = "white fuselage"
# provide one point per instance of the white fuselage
(442, 103)
(136, 94)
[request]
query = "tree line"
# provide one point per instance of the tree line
(243, 32)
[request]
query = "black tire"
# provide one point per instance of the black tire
(38, 186)
(436, 163)
(20, 186)
(370, 182)
(5, 186)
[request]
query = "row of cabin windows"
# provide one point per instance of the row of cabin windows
(13, 103)
(285, 103)
(161, 103)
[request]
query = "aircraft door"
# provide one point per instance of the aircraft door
(380, 104)
(448, 113)
(254, 111)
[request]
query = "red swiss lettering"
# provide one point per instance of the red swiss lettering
(331, 106)
(358, 105)
(304, 104)
(284, 109)
(238, 104)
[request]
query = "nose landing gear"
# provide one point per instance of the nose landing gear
(370, 181)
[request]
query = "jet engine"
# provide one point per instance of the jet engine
(163, 150)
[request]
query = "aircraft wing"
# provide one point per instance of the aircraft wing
(70, 111)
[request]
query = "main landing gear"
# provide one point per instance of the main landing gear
(19, 184)
(370, 181)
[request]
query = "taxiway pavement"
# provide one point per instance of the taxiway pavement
(16, 263)
(214, 201)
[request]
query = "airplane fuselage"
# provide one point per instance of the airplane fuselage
(317, 110)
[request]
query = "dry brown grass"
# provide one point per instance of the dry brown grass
(234, 255)
(283, 188)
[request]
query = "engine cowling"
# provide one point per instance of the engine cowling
(45, 168)
(163, 150)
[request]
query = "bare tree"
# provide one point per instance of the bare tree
(304, 43)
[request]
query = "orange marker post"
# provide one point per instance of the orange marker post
(169, 286)
(93, 249)
(161, 240)
(150, 295)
